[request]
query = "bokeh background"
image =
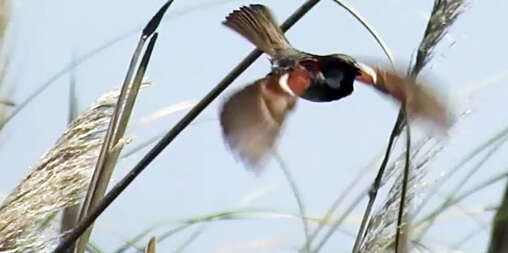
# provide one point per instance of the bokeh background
(324, 145)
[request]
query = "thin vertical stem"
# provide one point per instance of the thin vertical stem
(400, 246)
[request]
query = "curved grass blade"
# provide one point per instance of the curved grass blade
(296, 193)
(369, 28)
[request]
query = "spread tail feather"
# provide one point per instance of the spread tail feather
(255, 23)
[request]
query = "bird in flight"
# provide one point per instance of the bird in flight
(251, 119)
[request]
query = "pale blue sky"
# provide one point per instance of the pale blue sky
(324, 144)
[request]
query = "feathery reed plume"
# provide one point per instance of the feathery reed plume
(380, 234)
(57, 180)
(444, 14)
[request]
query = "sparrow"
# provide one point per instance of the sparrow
(252, 118)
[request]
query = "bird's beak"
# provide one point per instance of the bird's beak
(367, 74)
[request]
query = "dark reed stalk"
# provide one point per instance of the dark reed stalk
(382, 227)
(377, 183)
(444, 13)
(400, 240)
(393, 192)
(499, 234)
(173, 133)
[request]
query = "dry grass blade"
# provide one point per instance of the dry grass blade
(58, 180)
(73, 98)
(339, 221)
(369, 28)
(466, 178)
(451, 199)
(494, 140)
(228, 215)
(111, 149)
(165, 111)
(191, 239)
(112, 144)
(296, 193)
(171, 135)
(489, 182)
(132, 242)
(339, 200)
(150, 247)
(92, 248)
(444, 13)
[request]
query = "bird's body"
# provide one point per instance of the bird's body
(332, 78)
(251, 119)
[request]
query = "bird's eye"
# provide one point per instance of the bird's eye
(310, 66)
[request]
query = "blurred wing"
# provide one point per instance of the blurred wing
(251, 120)
(420, 101)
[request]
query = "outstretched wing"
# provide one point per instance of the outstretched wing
(252, 118)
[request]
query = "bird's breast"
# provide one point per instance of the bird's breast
(293, 82)
(298, 80)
